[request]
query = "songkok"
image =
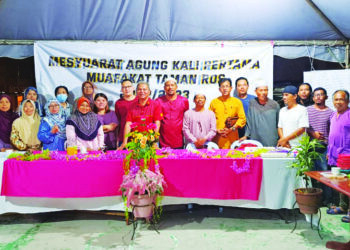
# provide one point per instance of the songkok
(260, 83)
(290, 90)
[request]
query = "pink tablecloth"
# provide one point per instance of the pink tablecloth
(191, 178)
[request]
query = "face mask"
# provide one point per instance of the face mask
(61, 98)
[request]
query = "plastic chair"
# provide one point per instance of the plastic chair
(237, 143)
(207, 145)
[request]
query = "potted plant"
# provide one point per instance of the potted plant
(143, 182)
(308, 198)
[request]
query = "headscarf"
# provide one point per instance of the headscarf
(6, 120)
(89, 97)
(58, 119)
(38, 105)
(28, 126)
(86, 125)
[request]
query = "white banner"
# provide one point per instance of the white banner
(330, 80)
(197, 66)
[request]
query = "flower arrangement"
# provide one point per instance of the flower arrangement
(142, 146)
(141, 170)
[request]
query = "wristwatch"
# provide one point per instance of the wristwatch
(233, 128)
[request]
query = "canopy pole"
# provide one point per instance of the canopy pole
(327, 20)
(347, 55)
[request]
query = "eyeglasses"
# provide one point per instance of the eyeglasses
(142, 90)
(54, 106)
(87, 87)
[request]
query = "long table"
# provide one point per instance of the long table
(275, 193)
(342, 185)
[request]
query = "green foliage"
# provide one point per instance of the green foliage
(306, 156)
(29, 156)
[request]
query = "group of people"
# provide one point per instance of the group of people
(89, 122)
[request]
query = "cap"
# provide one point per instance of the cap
(290, 90)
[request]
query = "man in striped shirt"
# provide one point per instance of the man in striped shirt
(319, 122)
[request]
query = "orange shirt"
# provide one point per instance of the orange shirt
(231, 107)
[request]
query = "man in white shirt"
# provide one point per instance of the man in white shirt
(293, 119)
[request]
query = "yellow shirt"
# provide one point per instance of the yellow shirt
(231, 107)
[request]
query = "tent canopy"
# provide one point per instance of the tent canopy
(169, 20)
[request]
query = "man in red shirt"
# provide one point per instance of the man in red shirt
(144, 110)
(122, 106)
(173, 107)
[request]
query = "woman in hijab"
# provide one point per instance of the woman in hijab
(61, 93)
(52, 130)
(7, 116)
(31, 93)
(25, 129)
(88, 91)
(84, 128)
(108, 119)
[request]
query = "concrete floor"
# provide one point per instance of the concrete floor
(201, 228)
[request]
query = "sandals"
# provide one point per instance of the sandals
(346, 218)
(335, 210)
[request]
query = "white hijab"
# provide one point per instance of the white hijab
(28, 126)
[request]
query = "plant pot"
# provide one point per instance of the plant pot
(142, 206)
(308, 199)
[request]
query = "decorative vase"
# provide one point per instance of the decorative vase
(308, 199)
(142, 206)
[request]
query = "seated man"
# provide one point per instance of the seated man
(199, 125)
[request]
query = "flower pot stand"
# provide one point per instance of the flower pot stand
(311, 220)
(143, 208)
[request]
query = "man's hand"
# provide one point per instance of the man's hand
(200, 142)
(224, 132)
(283, 142)
(318, 135)
(121, 146)
(242, 139)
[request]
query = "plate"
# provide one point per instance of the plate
(332, 176)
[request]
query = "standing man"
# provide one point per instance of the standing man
(305, 95)
(293, 119)
(199, 125)
(144, 110)
(319, 121)
(226, 110)
(339, 143)
(263, 118)
(241, 93)
(173, 108)
(123, 105)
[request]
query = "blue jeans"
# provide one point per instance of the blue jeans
(321, 165)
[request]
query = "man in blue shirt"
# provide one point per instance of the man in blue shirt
(241, 93)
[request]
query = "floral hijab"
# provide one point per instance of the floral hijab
(86, 125)
(6, 120)
(58, 119)
(28, 126)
